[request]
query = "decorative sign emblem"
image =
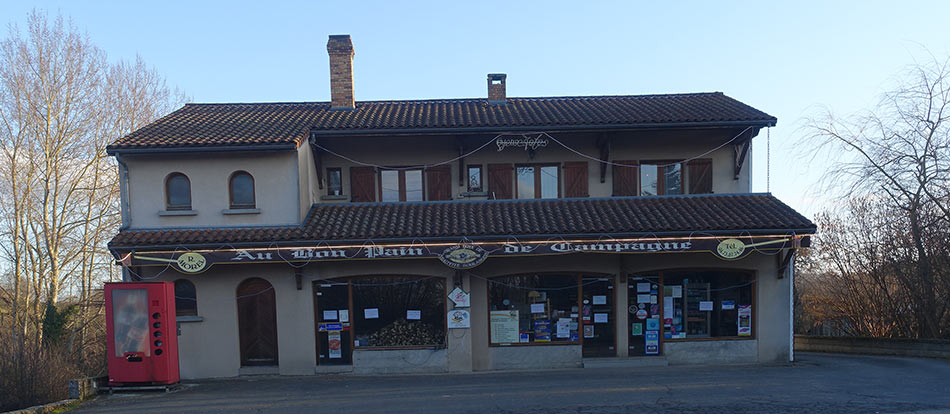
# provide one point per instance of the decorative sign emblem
(459, 318)
(525, 143)
(460, 297)
(191, 262)
(463, 256)
(733, 248)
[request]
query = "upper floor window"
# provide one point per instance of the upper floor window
(661, 179)
(177, 192)
(186, 299)
(400, 185)
(334, 181)
(537, 181)
(241, 189)
(474, 178)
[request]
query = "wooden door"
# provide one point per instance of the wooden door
(362, 184)
(257, 322)
(626, 179)
(500, 181)
(575, 179)
(439, 182)
(699, 172)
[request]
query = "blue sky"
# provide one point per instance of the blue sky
(790, 60)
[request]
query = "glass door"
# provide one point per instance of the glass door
(645, 304)
(597, 317)
(334, 329)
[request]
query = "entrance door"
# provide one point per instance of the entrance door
(257, 322)
(644, 304)
(333, 330)
(597, 317)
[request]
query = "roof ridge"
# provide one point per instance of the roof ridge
(423, 100)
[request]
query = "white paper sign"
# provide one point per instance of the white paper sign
(643, 287)
(706, 305)
(537, 308)
(330, 315)
(413, 315)
(677, 291)
(344, 315)
(335, 343)
(652, 298)
(371, 313)
(563, 328)
(460, 298)
(643, 298)
(667, 308)
(728, 305)
(458, 318)
(504, 326)
(600, 300)
(600, 318)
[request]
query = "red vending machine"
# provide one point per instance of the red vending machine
(141, 333)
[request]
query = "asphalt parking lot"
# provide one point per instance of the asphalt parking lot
(816, 383)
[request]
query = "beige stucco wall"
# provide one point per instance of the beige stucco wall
(276, 188)
(210, 348)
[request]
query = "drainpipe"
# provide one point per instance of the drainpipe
(123, 192)
(791, 309)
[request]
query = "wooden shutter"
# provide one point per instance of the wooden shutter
(362, 184)
(626, 179)
(500, 180)
(699, 172)
(575, 179)
(439, 182)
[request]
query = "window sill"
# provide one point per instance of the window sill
(190, 318)
(169, 213)
(552, 343)
(473, 194)
(720, 338)
(335, 197)
(396, 348)
(236, 211)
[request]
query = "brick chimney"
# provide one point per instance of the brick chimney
(341, 53)
(496, 88)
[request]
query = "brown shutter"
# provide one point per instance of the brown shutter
(699, 172)
(626, 179)
(439, 182)
(362, 184)
(575, 179)
(500, 180)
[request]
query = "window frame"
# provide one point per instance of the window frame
(241, 206)
(481, 178)
(401, 182)
(537, 179)
(194, 289)
(580, 299)
(330, 172)
(177, 207)
(661, 182)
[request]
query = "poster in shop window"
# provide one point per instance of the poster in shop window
(542, 330)
(563, 328)
(504, 327)
(745, 320)
(335, 343)
(652, 342)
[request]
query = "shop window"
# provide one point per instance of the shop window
(186, 299)
(241, 189)
(537, 181)
(534, 309)
(708, 304)
(177, 192)
(474, 178)
(659, 179)
(334, 181)
(401, 185)
(394, 311)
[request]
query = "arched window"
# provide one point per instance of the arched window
(186, 298)
(241, 189)
(177, 192)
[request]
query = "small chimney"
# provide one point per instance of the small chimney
(341, 53)
(496, 88)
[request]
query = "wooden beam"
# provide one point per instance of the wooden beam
(784, 259)
(741, 149)
(461, 147)
(298, 275)
(317, 160)
(603, 143)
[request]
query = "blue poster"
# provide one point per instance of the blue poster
(653, 324)
(542, 330)
(652, 342)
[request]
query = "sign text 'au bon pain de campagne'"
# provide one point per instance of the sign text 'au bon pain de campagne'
(458, 256)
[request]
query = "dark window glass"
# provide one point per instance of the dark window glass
(536, 181)
(392, 311)
(177, 192)
(535, 309)
(401, 185)
(334, 181)
(186, 299)
(708, 304)
(658, 179)
(475, 178)
(242, 190)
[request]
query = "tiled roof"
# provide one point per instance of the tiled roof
(662, 215)
(262, 124)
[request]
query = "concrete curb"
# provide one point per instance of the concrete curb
(45, 408)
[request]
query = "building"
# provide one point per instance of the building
(458, 235)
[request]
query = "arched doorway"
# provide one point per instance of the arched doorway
(257, 322)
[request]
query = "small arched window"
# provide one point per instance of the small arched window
(177, 192)
(242, 190)
(186, 298)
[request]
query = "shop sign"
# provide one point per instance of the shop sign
(329, 326)
(460, 297)
(526, 143)
(652, 342)
(745, 320)
(458, 318)
(457, 256)
(642, 314)
(335, 343)
(504, 327)
(463, 256)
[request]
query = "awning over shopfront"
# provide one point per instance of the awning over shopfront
(464, 233)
